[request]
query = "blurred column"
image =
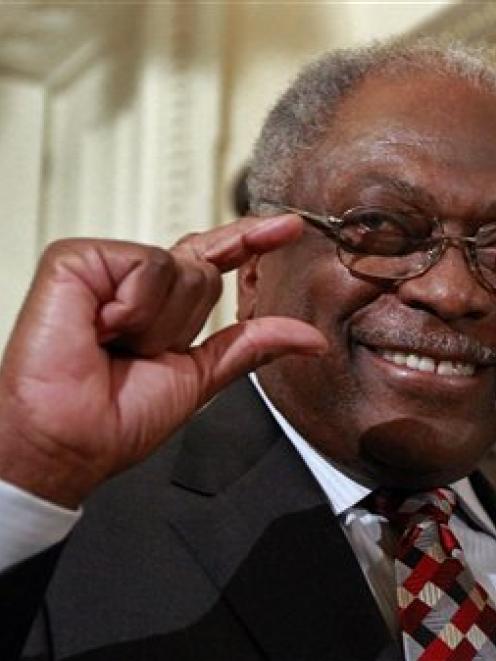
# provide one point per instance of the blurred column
(132, 137)
(21, 119)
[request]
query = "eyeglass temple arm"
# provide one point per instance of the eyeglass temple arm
(332, 223)
(329, 223)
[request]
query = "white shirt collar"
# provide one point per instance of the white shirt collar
(343, 492)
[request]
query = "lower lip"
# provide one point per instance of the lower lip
(404, 377)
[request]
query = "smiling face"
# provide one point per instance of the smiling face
(426, 144)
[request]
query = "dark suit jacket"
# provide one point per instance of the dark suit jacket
(221, 547)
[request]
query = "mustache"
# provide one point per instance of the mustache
(437, 344)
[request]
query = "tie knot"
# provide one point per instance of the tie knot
(403, 508)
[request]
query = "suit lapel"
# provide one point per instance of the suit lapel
(263, 531)
(485, 492)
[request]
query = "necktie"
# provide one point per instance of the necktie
(444, 614)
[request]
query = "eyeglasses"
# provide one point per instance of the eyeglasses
(396, 245)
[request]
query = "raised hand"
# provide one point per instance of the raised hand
(100, 369)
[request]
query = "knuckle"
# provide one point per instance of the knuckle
(203, 281)
(190, 237)
(160, 257)
(57, 248)
(61, 253)
(195, 280)
(160, 263)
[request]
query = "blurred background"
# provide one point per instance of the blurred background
(133, 120)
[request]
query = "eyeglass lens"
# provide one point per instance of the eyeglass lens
(396, 245)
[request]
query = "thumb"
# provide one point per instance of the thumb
(240, 348)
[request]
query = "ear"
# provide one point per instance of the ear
(248, 281)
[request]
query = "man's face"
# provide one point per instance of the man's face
(425, 144)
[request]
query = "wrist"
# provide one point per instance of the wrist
(36, 466)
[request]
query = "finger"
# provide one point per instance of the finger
(229, 246)
(240, 348)
(183, 312)
(164, 298)
(185, 321)
(139, 297)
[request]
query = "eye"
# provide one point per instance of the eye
(485, 246)
(383, 232)
(486, 236)
(375, 220)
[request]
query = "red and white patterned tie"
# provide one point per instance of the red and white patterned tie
(444, 614)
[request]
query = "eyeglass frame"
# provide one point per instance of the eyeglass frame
(330, 224)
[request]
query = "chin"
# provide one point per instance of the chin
(415, 454)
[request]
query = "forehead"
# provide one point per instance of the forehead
(435, 132)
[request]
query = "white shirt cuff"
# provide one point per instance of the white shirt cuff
(29, 525)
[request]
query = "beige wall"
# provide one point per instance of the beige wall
(21, 131)
(267, 43)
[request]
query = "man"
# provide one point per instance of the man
(253, 533)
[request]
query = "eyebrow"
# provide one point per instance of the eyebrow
(409, 192)
(412, 193)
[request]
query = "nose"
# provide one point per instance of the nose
(449, 289)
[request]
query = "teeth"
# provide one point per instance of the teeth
(446, 368)
(412, 361)
(426, 364)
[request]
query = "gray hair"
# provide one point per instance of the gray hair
(304, 113)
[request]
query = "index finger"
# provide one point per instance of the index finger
(229, 246)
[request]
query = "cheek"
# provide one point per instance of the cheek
(310, 283)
